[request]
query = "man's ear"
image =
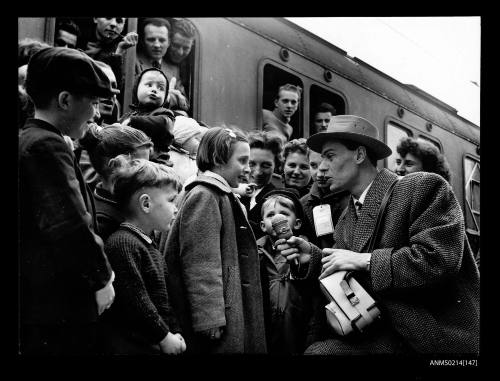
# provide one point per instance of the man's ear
(276, 102)
(63, 100)
(145, 203)
(361, 154)
(95, 20)
(298, 224)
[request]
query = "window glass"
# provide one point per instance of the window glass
(394, 134)
(274, 78)
(321, 101)
(472, 194)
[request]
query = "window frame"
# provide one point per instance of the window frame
(477, 162)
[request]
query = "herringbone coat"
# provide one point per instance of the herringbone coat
(422, 273)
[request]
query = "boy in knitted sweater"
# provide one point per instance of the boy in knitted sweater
(141, 320)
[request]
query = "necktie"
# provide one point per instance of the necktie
(358, 206)
(156, 64)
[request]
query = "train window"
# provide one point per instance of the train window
(394, 134)
(472, 202)
(178, 61)
(274, 78)
(321, 100)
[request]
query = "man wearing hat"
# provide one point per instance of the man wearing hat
(421, 273)
(65, 277)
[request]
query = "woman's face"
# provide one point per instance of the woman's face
(407, 164)
(297, 170)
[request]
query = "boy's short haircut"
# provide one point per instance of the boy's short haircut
(130, 175)
(183, 27)
(296, 145)
(289, 87)
(284, 193)
(217, 146)
(267, 141)
(325, 107)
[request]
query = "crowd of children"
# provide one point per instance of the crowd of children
(194, 271)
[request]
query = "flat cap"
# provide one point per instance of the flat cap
(67, 69)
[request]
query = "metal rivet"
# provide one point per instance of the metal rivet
(284, 54)
(428, 126)
(401, 112)
(328, 75)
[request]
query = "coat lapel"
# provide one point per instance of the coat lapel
(368, 214)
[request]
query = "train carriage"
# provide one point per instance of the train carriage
(237, 65)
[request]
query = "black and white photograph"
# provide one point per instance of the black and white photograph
(289, 189)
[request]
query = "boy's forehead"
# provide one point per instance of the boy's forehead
(271, 203)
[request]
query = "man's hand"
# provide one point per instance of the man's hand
(173, 344)
(212, 333)
(294, 247)
(105, 296)
(339, 259)
(128, 41)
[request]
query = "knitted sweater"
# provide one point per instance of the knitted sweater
(141, 308)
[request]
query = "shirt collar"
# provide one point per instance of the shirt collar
(363, 195)
(138, 231)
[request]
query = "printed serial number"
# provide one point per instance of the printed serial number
(460, 362)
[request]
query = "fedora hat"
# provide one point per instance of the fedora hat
(352, 128)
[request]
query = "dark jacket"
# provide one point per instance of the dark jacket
(213, 269)
(62, 261)
(422, 272)
(108, 215)
(337, 203)
(288, 307)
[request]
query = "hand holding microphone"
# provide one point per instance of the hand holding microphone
(282, 229)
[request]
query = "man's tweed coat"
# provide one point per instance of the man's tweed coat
(213, 271)
(422, 273)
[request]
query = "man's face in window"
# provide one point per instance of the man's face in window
(109, 28)
(287, 103)
(322, 120)
(65, 39)
(155, 41)
(179, 48)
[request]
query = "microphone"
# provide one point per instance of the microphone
(282, 229)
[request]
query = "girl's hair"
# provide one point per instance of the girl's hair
(217, 146)
(266, 141)
(296, 145)
(130, 175)
(432, 160)
(106, 143)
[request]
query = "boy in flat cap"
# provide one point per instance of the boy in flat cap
(65, 277)
(421, 272)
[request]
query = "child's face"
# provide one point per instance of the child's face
(152, 89)
(237, 165)
(163, 209)
(297, 170)
(273, 208)
(261, 166)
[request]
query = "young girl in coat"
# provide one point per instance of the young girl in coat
(141, 320)
(212, 255)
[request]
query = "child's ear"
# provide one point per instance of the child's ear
(263, 226)
(298, 224)
(145, 202)
(63, 100)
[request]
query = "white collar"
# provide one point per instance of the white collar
(363, 195)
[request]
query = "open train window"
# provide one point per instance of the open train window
(321, 100)
(394, 134)
(274, 78)
(472, 201)
(178, 62)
